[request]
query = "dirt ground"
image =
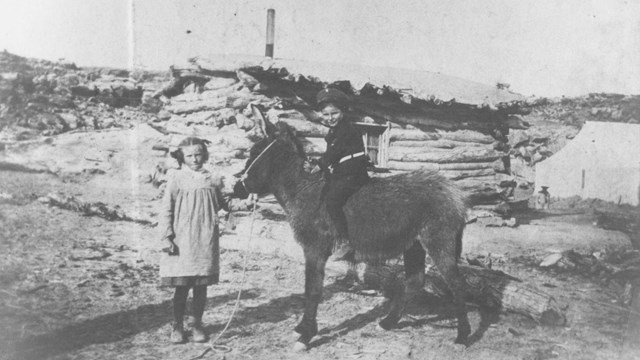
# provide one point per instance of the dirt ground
(75, 287)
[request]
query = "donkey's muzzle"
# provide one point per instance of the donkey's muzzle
(239, 191)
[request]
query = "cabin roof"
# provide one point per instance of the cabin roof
(424, 85)
(422, 99)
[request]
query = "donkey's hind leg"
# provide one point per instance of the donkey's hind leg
(446, 260)
(394, 290)
(400, 294)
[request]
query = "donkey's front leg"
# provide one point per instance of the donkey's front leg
(314, 281)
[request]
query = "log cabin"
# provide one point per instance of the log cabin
(409, 119)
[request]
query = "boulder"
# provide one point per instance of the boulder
(243, 122)
(72, 120)
(219, 83)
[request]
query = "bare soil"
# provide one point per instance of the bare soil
(75, 287)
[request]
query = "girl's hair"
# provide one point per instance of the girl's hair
(191, 141)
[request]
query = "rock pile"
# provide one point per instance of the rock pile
(592, 107)
(39, 97)
(622, 265)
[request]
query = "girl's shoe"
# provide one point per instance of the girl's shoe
(198, 334)
(177, 335)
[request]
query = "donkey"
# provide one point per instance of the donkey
(400, 214)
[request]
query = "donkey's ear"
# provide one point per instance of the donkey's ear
(265, 125)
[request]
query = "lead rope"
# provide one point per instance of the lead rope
(212, 344)
(246, 172)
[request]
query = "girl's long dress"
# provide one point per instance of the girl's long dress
(190, 205)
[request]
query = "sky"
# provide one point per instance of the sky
(543, 47)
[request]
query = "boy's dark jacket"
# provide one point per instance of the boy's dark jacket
(343, 140)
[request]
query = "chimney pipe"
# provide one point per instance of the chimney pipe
(271, 23)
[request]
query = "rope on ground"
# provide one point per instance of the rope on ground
(212, 344)
(614, 307)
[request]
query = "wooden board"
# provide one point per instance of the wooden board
(462, 155)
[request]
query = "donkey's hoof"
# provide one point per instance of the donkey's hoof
(294, 335)
(299, 347)
(380, 328)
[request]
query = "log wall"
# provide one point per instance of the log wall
(472, 158)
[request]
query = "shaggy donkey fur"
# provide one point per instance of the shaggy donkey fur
(401, 214)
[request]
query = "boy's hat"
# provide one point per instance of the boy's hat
(331, 95)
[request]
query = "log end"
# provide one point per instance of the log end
(553, 317)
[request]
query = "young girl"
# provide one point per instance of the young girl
(190, 205)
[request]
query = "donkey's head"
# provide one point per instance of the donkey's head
(278, 145)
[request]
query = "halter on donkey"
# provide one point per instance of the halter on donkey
(401, 214)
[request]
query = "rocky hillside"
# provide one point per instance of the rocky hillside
(592, 107)
(39, 97)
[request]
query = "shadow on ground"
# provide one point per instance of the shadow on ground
(125, 324)
(100, 330)
(118, 326)
(424, 310)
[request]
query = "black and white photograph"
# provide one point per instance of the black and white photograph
(319, 179)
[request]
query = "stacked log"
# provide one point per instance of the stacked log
(216, 111)
(475, 160)
(457, 155)
(234, 96)
(435, 155)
